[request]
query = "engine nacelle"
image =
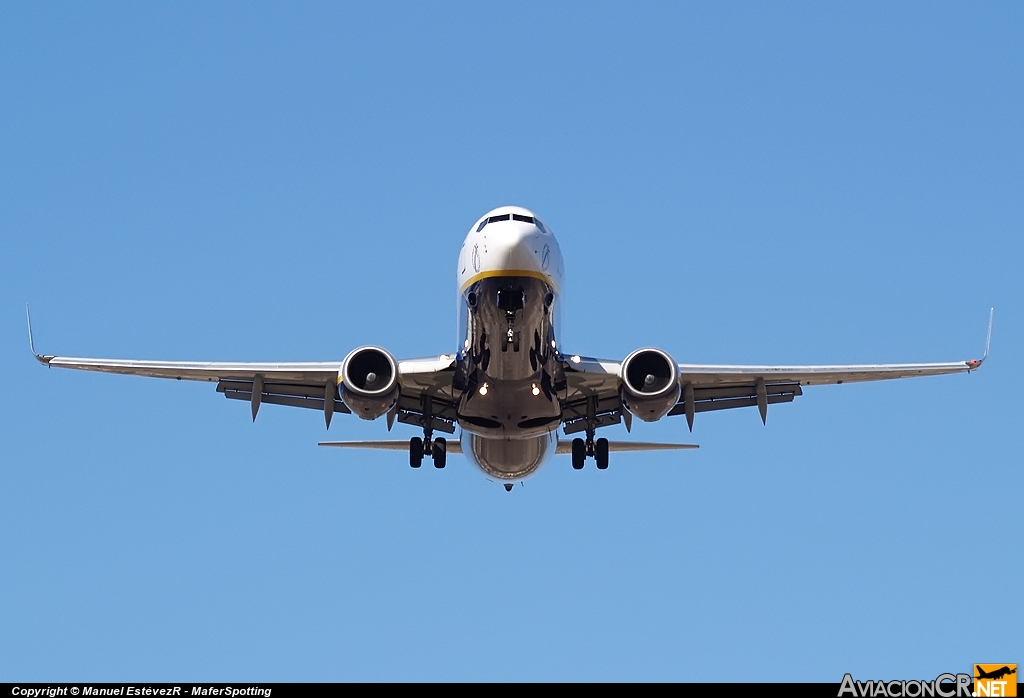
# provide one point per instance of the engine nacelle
(650, 384)
(369, 384)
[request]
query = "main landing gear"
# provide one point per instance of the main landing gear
(436, 449)
(598, 449)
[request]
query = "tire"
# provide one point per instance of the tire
(415, 451)
(601, 454)
(440, 452)
(579, 454)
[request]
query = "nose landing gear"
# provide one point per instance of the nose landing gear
(511, 300)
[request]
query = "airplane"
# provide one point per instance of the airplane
(996, 674)
(509, 386)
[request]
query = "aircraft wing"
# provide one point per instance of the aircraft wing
(592, 385)
(311, 385)
(426, 384)
(311, 372)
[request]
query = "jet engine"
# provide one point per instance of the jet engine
(650, 384)
(369, 382)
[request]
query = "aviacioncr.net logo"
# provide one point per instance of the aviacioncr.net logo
(943, 686)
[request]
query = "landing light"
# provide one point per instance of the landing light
(483, 389)
(536, 390)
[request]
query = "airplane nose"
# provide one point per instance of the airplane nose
(512, 243)
(511, 235)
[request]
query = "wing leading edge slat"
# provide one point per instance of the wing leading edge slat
(299, 372)
(712, 375)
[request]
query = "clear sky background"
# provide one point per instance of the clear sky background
(734, 183)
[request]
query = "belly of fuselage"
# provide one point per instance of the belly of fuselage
(508, 459)
(510, 358)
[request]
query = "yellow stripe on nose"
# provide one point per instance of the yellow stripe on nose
(507, 272)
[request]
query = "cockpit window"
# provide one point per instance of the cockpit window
(509, 216)
(536, 222)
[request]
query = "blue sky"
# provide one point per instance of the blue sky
(737, 183)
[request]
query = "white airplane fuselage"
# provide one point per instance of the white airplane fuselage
(510, 276)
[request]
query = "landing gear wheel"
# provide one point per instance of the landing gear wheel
(579, 453)
(601, 453)
(440, 452)
(415, 451)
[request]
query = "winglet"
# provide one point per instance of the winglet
(988, 339)
(44, 360)
(976, 363)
